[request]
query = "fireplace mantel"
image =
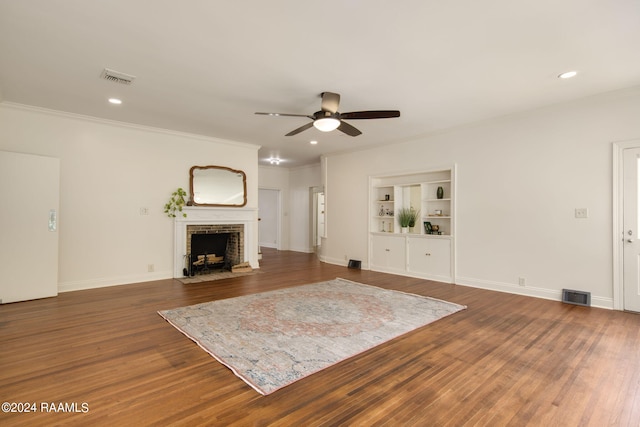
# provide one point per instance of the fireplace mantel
(201, 215)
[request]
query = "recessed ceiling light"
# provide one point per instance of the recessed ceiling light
(313, 142)
(274, 160)
(568, 75)
(115, 101)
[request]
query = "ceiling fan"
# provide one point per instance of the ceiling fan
(328, 118)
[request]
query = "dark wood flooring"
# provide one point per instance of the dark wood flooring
(506, 360)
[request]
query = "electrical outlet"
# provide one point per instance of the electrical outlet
(522, 281)
(150, 268)
(582, 213)
(144, 211)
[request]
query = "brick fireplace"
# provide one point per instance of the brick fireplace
(240, 224)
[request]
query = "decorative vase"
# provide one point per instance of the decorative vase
(404, 229)
(440, 193)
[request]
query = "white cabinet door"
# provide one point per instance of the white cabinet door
(430, 257)
(29, 186)
(388, 253)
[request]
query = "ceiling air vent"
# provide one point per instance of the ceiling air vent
(117, 77)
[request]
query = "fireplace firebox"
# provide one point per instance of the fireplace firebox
(212, 248)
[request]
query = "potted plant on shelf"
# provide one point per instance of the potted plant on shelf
(175, 204)
(407, 218)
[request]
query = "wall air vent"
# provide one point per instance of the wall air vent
(576, 297)
(117, 77)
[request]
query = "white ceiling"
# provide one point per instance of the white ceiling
(205, 66)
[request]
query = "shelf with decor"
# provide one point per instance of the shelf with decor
(383, 209)
(437, 207)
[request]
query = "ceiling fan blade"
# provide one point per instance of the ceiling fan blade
(300, 129)
(330, 102)
(380, 114)
(348, 129)
(285, 115)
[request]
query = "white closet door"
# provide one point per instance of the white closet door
(29, 193)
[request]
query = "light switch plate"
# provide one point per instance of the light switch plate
(582, 213)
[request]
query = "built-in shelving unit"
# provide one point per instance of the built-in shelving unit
(426, 249)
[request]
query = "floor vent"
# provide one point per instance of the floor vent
(355, 264)
(117, 77)
(576, 297)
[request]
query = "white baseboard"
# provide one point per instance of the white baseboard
(113, 281)
(529, 291)
(299, 249)
(335, 261)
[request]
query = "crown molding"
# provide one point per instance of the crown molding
(116, 123)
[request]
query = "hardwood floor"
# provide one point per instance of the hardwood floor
(506, 360)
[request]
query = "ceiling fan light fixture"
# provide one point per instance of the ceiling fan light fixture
(329, 119)
(326, 124)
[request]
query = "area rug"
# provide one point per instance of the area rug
(275, 338)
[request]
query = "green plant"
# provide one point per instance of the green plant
(175, 204)
(414, 218)
(407, 217)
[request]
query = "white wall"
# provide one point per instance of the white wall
(108, 171)
(519, 179)
(295, 184)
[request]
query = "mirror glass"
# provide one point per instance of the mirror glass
(217, 186)
(411, 197)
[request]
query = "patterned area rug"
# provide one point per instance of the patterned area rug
(275, 338)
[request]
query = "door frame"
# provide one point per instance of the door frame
(618, 219)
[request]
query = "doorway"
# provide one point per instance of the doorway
(317, 229)
(269, 218)
(627, 226)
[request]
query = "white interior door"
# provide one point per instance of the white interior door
(631, 222)
(29, 190)
(269, 213)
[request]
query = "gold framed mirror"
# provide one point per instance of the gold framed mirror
(217, 186)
